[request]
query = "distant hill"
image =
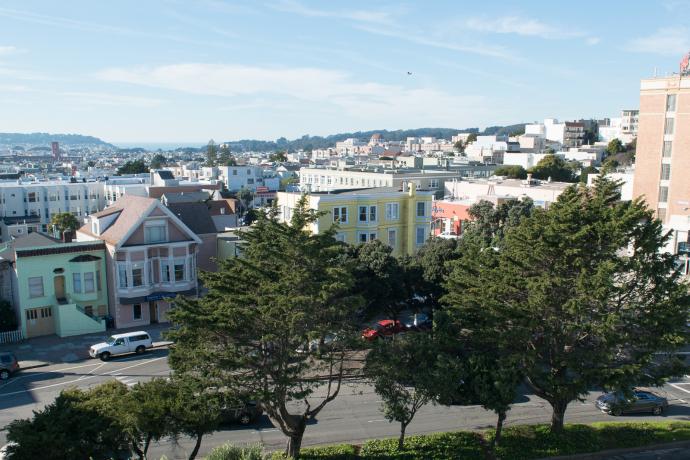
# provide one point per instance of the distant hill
(45, 139)
(307, 142)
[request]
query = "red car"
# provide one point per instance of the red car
(383, 328)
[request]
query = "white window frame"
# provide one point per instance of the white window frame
(423, 233)
(122, 275)
(34, 292)
(423, 203)
(177, 262)
(373, 213)
(338, 213)
(392, 211)
(76, 283)
(85, 282)
(165, 270)
(157, 225)
(366, 213)
(392, 237)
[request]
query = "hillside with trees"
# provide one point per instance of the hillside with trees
(47, 138)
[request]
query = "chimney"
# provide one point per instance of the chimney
(67, 236)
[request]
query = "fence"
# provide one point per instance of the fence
(11, 336)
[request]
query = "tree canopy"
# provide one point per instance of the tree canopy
(511, 172)
(64, 221)
(554, 167)
(250, 331)
(581, 292)
(158, 161)
(133, 167)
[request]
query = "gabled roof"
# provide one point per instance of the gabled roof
(196, 216)
(131, 211)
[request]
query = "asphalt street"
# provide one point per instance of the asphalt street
(354, 416)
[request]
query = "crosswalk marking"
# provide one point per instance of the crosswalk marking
(129, 381)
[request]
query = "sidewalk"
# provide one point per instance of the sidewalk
(51, 349)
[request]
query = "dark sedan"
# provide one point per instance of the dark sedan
(618, 403)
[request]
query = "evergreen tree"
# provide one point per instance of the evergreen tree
(582, 292)
(211, 154)
(248, 332)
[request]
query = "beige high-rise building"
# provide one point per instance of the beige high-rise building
(662, 161)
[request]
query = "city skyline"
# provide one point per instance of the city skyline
(173, 72)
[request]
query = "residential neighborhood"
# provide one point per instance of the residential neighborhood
(303, 229)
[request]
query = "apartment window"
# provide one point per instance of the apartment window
(392, 234)
(340, 214)
(663, 194)
(249, 172)
(665, 171)
(136, 311)
(421, 209)
(367, 236)
(250, 181)
(156, 232)
(33, 197)
(661, 214)
(165, 271)
(179, 270)
(668, 127)
(89, 282)
(52, 197)
(98, 281)
(340, 237)
(372, 213)
(122, 275)
(76, 282)
(392, 211)
(234, 172)
(421, 236)
(362, 213)
(671, 103)
(36, 286)
(137, 276)
(433, 183)
(667, 149)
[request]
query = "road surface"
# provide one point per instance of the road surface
(354, 416)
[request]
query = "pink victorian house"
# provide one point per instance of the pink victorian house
(151, 257)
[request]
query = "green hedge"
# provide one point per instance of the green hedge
(520, 442)
(438, 446)
(535, 441)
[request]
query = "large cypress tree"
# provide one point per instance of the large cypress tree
(581, 291)
(248, 333)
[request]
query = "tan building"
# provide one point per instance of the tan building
(663, 154)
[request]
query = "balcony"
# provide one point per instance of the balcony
(683, 248)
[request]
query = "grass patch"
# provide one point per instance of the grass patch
(520, 442)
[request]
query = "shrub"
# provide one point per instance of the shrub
(230, 452)
(438, 446)
(335, 452)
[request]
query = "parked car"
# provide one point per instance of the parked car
(8, 365)
(382, 329)
(617, 403)
(131, 342)
(243, 414)
(313, 345)
(419, 322)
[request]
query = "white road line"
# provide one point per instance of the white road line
(679, 388)
(72, 381)
(373, 421)
(15, 379)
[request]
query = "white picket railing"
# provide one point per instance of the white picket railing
(11, 336)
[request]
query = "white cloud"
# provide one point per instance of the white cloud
(8, 50)
(527, 27)
(116, 100)
(327, 89)
(367, 16)
(668, 41)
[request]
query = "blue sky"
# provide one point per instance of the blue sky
(188, 71)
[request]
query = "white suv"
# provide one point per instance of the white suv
(118, 344)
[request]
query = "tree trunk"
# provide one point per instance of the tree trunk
(401, 439)
(558, 415)
(147, 444)
(499, 429)
(294, 445)
(137, 450)
(197, 445)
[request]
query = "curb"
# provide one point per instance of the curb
(34, 366)
(604, 454)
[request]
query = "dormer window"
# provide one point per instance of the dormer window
(156, 231)
(95, 227)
